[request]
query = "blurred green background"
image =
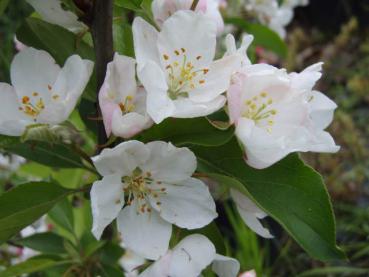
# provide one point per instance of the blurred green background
(337, 33)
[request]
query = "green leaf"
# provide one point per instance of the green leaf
(263, 36)
(123, 38)
(29, 266)
(196, 131)
(133, 5)
(335, 271)
(62, 215)
(24, 204)
(290, 191)
(48, 242)
(53, 155)
(3, 6)
(59, 42)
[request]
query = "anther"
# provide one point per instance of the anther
(25, 99)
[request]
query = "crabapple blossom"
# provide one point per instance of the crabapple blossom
(41, 91)
(250, 213)
(51, 11)
(176, 66)
(162, 9)
(271, 13)
(153, 184)
(122, 102)
(277, 113)
(190, 257)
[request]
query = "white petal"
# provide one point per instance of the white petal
(194, 32)
(162, 9)
(187, 204)
(250, 213)
(108, 107)
(322, 142)
(130, 124)
(12, 121)
(120, 82)
(168, 163)
(306, 79)
(242, 51)
(147, 234)
(130, 261)
(107, 199)
(68, 87)
(212, 11)
(52, 12)
(160, 268)
(33, 71)
(322, 109)
(234, 99)
(122, 159)
(159, 105)
(145, 42)
(185, 108)
(121, 77)
(225, 266)
(191, 256)
(217, 80)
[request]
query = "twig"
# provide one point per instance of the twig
(102, 35)
(194, 5)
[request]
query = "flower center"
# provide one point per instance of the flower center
(139, 187)
(182, 74)
(258, 109)
(127, 106)
(33, 105)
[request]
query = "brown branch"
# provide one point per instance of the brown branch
(194, 5)
(102, 35)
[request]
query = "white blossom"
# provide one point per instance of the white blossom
(122, 102)
(190, 257)
(277, 113)
(177, 69)
(41, 91)
(153, 185)
(275, 16)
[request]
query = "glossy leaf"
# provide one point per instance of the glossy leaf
(195, 131)
(290, 191)
(47, 242)
(53, 155)
(123, 38)
(24, 204)
(62, 215)
(29, 266)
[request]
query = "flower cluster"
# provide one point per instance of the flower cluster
(273, 13)
(150, 187)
